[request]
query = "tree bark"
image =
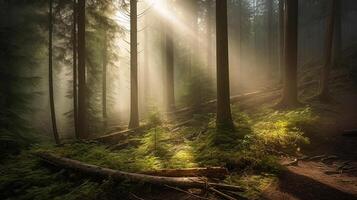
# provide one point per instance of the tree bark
(75, 69)
(134, 102)
(281, 39)
(209, 38)
(82, 90)
(93, 170)
(270, 36)
(170, 82)
(224, 116)
(146, 65)
(337, 49)
(330, 24)
(193, 44)
(289, 95)
(104, 81)
(256, 59)
(50, 73)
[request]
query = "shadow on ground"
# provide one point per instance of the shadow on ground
(305, 188)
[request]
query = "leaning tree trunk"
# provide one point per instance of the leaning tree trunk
(50, 74)
(289, 95)
(82, 90)
(324, 89)
(134, 102)
(224, 116)
(75, 70)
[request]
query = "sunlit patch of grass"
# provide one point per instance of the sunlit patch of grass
(155, 142)
(257, 139)
(183, 158)
(249, 149)
(283, 130)
(254, 185)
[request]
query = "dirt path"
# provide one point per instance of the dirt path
(330, 179)
(309, 180)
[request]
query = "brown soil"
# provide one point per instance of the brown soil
(325, 179)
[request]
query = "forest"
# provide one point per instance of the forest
(178, 99)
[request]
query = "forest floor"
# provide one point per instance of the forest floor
(328, 176)
(260, 154)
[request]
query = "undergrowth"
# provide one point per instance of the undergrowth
(252, 148)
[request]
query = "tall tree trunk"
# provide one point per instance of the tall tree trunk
(146, 65)
(50, 73)
(194, 42)
(209, 38)
(330, 24)
(104, 81)
(281, 39)
(75, 70)
(256, 60)
(224, 116)
(82, 90)
(239, 46)
(338, 35)
(289, 96)
(170, 82)
(134, 103)
(270, 36)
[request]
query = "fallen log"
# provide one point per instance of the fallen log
(97, 171)
(210, 172)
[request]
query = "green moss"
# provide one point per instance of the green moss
(254, 185)
(249, 149)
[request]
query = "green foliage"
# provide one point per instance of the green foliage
(256, 139)
(197, 90)
(153, 143)
(250, 151)
(26, 178)
(102, 31)
(253, 184)
(283, 130)
(21, 57)
(154, 118)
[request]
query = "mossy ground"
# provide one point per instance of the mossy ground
(250, 152)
